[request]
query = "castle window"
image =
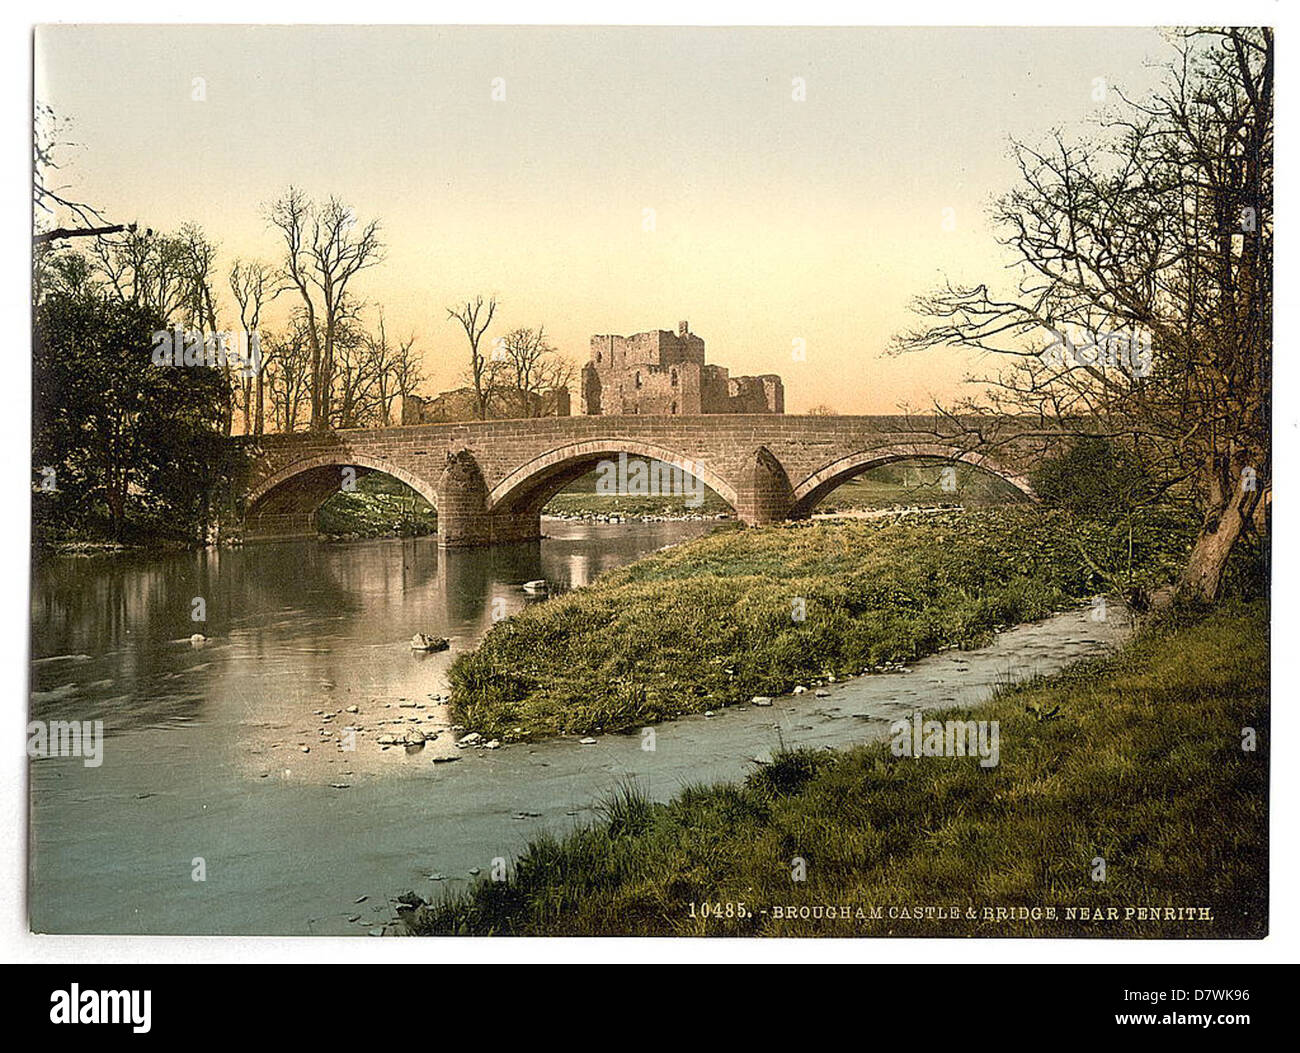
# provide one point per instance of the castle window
(674, 375)
(638, 379)
(599, 356)
(674, 409)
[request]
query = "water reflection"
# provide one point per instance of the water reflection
(111, 636)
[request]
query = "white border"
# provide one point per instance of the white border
(1283, 944)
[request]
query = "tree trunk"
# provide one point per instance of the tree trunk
(1202, 578)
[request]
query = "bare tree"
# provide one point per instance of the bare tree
(253, 284)
(822, 410)
(325, 248)
(394, 369)
(474, 318)
(287, 361)
(408, 370)
(1145, 266)
(531, 368)
(48, 201)
(149, 269)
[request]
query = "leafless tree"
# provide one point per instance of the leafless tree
(253, 284)
(474, 318)
(531, 368)
(48, 201)
(287, 362)
(394, 368)
(325, 248)
(1144, 265)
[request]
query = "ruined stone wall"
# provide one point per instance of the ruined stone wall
(662, 373)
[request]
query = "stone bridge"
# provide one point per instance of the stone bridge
(489, 480)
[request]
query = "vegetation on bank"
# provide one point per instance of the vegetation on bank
(1142, 765)
(380, 506)
(721, 619)
(902, 485)
(124, 451)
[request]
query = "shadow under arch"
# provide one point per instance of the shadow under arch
(529, 487)
(813, 489)
(284, 505)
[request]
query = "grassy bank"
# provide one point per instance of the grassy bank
(632, 506)
(720, 619)
(1142, 766)
(379, 506)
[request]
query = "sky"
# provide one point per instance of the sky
(630, 178)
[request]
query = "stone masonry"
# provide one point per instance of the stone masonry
(489, 480)
(664, 374)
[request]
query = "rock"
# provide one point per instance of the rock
(410, 899)
(386, 740)
(474, 871)
(469, 739)
(198, 640)
(376, 932)
(444, 760)
(800, 690)
(305, 749)
(360, 899)
(425, 642)
(414, 738)
(353, 709)
(821, 692)
(340, 785)
(354, 917)
(537, 586)
(760, 700)
(587, 742)
(493, 745)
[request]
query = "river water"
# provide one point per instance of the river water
(257, 760)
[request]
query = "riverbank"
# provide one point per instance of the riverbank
(1134, 763)
(744, 614)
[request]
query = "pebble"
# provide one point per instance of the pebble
(587, 742)
(761, 700)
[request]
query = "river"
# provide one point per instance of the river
(246, 786)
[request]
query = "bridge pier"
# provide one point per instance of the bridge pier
(764, 495)
(463, 516)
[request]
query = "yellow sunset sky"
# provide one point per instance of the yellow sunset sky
(775, 219)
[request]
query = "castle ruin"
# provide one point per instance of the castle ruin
(664, 373)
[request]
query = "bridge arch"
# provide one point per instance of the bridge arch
(531, 485)
(810, 491)
(284, 504)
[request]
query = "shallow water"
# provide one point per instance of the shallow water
(204, 758)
